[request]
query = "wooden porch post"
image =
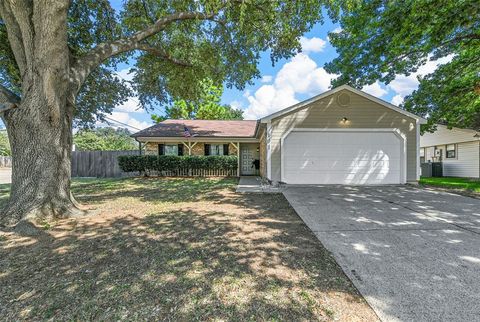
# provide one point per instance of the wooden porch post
(238, 159)
(190, 146)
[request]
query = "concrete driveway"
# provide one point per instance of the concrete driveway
(413, 253)
(5, 175)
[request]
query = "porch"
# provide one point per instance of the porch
(248, 153)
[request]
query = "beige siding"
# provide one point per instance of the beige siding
(263, 153)
(466, 163)
(445, 136)
(327, 114)
(429, 154)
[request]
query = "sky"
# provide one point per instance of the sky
(288, 82)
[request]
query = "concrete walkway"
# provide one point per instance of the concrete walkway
(413, 253)
(254, 184)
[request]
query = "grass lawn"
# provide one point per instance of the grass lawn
(174, 249)
(472, 185)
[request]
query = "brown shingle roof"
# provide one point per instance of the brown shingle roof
(201, 128)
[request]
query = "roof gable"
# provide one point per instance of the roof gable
(372, 98)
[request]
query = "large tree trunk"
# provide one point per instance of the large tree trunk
(40, 129)
(41, 150)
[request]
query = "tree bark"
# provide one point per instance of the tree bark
(41, 151)
(40, 128)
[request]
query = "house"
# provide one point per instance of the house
(343, 136)
(457, 149)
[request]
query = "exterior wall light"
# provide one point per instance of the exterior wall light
(344, 120)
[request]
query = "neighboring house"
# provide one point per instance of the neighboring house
(343, 136)
(458, 150)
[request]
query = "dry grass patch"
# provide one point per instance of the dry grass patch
(175, 249)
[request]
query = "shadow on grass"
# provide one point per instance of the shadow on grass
(238, 257)
(151, 189)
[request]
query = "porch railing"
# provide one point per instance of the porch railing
(194, 173)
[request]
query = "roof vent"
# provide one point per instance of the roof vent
(343, 99)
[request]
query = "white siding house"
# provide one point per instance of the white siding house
(458, 149)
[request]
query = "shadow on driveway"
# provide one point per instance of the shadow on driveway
(413, 253)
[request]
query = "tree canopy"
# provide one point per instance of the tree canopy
(104, 139)
(206, 107)
(381, 39)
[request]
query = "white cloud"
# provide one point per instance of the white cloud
(131, 106)
(404, 85)
(375, 89)
(127, 119)
(236, 105)
(312, 45)
(397, 100)
(125, 74)
(301, 75)
(266, 79)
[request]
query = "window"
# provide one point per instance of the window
(171, 149)
(451, 151)
(216, 149)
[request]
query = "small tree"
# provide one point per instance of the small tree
(57, 59)
(104, 139)
(206, 107)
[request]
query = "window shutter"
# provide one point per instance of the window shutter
(207, 149)
(180, 149)
(225, 149)
(161, 149)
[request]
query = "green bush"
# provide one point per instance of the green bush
(147, 163)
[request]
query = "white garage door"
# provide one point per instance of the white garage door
(355, 158)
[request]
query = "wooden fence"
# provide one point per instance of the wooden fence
(5, 161)
(99, 164)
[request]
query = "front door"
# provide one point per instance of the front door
(247, 160)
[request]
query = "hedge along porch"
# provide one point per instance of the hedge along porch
(206, 138)
(174, 165)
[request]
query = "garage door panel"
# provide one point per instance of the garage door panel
(342, 158)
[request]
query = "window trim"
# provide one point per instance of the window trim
(213, 148)
(175, 146)
(454, 151)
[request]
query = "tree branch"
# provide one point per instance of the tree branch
(163, 54)
(85, 64)
(16, 36)
(8, 99)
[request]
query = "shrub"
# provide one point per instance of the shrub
(147, 163)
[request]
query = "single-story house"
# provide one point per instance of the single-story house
(457, 149)
(343, 136)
